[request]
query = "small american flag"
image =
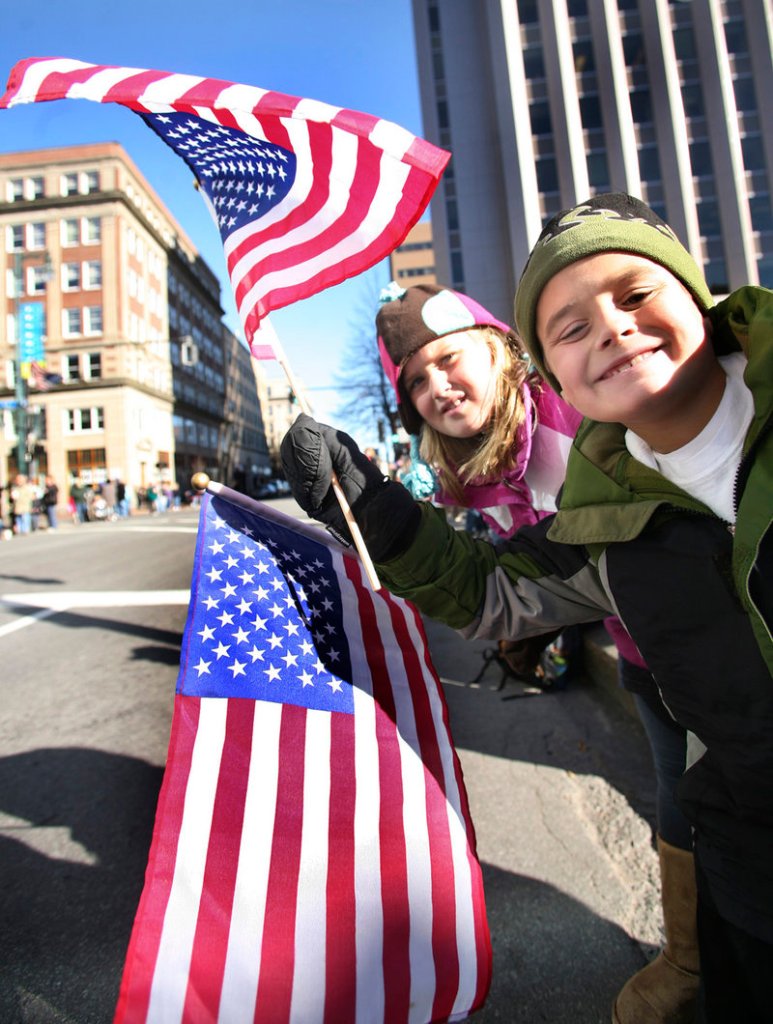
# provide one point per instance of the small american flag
(41, 379)
(313, 858)
(304, 194)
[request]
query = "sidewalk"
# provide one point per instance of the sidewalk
(561, 792)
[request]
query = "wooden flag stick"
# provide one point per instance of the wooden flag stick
(359, 543)
(297, 390)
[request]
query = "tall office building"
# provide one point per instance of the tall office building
(131, 326)
(545, 102)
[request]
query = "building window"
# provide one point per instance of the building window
(71, 369)
(36, 236)
(70, 232)
(92, 230)
(753, 153)
(71, 277)
(71, 321)
(761, 214)
(37, 279)
(92, 274)
(37, 188)
(91, 181)
(69, 184)
(15, 189)
(87, 463)
(539, 114)
(708, 218)
(81, 421)
(14, 283)
(92, 319)
(93, 365)
(14, 239)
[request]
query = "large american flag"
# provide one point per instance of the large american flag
(304, 194)
(313, 859)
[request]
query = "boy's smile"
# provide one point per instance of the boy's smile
(628, 344)
(450, 383)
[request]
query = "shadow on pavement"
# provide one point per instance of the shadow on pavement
(71, 882)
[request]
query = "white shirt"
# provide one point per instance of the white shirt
(706, 467)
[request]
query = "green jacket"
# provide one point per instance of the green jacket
(695, 594)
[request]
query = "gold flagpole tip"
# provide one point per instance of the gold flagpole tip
(200, 481)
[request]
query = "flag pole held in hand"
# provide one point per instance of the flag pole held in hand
(266, 345)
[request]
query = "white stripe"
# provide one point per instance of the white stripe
(315, 110)
(36, 74)
(236, 97)
(308, 997)
(170, 974)
(394, 140)
(168, 89)
(245, 939)
(415, 830)
(98, 85)
(27, 620)
(460, 846)
(369, 919)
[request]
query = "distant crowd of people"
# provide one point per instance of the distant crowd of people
(27, 506)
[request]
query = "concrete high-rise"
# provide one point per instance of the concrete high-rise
(545, 102)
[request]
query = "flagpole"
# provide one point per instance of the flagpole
(359, 542)
(351, 522)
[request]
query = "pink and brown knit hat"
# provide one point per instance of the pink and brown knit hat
(410, 318)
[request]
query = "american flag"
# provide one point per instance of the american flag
(304, 194)
(313, 858)
(41, 379)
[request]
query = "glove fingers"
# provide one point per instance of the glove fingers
(306, 463)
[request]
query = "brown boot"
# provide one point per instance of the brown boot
(664, 992)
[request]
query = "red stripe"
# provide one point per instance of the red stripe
(341, 945)
(141, 957)
(477, 896)
(444, 935)
(210, 941)
(394, 871)
(274, 994)
(129, 89)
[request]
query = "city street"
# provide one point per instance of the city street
(91, 617)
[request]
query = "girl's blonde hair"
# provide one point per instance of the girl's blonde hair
(491, 454)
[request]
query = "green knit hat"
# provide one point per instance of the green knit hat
(611, 222)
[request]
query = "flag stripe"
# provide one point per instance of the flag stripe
(245, 945)
(210, 940)
(170, 981)
(275, 982)
(144, 944)
(392, 839)
(340, 1003)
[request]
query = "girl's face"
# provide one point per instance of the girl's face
(451, 384)
(628, 345)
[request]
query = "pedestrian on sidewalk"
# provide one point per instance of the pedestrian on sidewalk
(49, 501)
(23, 497)
(664, 519)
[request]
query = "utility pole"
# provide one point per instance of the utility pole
(31, 353)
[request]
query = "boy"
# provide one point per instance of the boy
(664, 521)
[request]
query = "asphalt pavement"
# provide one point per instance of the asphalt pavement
(561, 792)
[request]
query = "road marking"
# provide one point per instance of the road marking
(50, 602)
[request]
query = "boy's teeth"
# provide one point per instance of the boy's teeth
(628, 365)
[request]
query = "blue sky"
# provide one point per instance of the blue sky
(350, 53)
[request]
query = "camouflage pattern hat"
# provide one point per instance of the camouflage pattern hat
(611, 222)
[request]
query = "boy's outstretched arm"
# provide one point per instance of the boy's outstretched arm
(517, 589)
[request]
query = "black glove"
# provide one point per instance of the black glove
(384, 510)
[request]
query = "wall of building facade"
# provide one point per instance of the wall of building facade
(545, 103)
